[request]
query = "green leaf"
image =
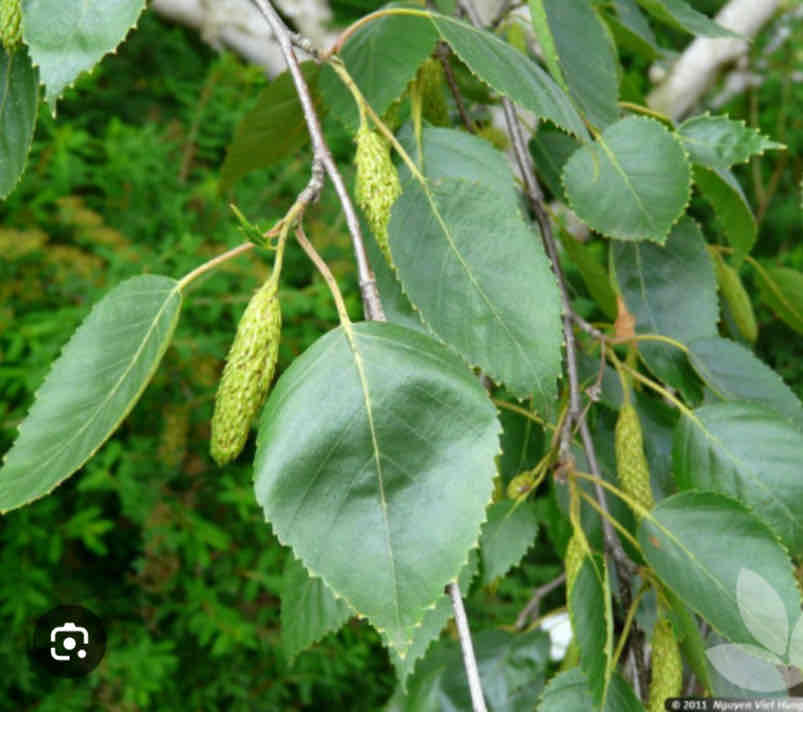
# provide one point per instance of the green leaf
(18, 100)
(658, 421)
(782, 290)
(632, 183)
(512, 670)
(382, 57)
(634, 27)
(310, 610)
(692, 645)
(682, 15)
(510, 530)
(395, 304)
(699, 542)
(550, 150)
(733, 372)
(592, 623)
(569, 691)
(67, 38)
(447, 153)
(91, 387)
(671, 291)
(593, 274)
(580, 56)
(481, 281)
(719, 142)
(375, 462)
(733, 211)
(511, 73)
(432, 625)
(749, 452)
(272, 129)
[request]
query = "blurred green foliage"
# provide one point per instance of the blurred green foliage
(169, 550)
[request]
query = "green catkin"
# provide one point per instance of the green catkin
(735, 295)
(377, 186)
(573, 560)
(248, 373)
(430, 81)
(631, 462)
(667, 665)
(10, 23)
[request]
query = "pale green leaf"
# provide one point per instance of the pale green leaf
(719, 142)
(375, 461)
(91, 387)
(310, 610)
(18, 99)
(699, 542)
(481, 281)
(580, 55)
(733, 372)
(682, 15)
(731, 207)
(510, 530)
(748, 452)
(671, 291)
(66, 38)
(632, 183)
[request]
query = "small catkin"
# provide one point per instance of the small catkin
(667, 665)
(430, 82)
(735, 295)
(248, 373)
(631, 462)
(520, 484)
(10, 23)
(573, 560)
(377, 186)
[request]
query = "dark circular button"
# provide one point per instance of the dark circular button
(69, 641)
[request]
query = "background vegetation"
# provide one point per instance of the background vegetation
(169, 550)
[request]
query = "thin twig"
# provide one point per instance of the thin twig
(442, 51)
(469, 659)
(322, 157)
(534, 605)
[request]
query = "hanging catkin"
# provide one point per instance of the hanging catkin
(735, 295)
(10, 23)
(667, 665)
(377, 186)
(631, 462)
(248, 373)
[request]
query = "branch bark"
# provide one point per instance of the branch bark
(696, 70)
